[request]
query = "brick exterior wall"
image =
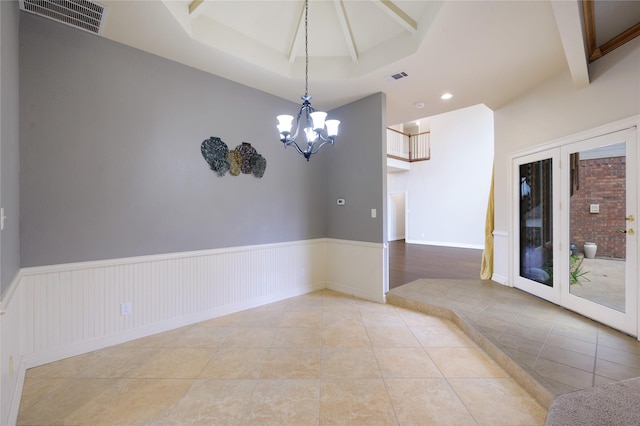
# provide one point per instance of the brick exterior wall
(602, 181)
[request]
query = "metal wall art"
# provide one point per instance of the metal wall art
(243, 159)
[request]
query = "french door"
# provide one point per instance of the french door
(575, 227)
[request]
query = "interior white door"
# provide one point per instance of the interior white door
(396, 214)
(599, 226)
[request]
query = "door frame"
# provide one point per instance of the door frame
(626, 321)
(632, 124)
(552, 293)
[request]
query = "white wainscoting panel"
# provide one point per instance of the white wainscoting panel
(357, 268)
(59, 311)
(501, 258)
(55, 312)
(76, 307)
(15, 330)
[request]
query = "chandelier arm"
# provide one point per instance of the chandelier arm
(305, 106)
(295, 145)
(324, 142)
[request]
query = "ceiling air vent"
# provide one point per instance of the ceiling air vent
(83, 14)
(397, 76)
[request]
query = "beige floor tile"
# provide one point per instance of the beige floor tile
(161, 340)
(355, 402)
(445, 335)
(143, 401)
(427, 402)
(292, 337)
(69, 402)
(230, 320)
(304, 303)
(418, 319)
(284, 402)
(498, 401)
(37, 390)
(301, 319)
(65, 368)
(250, 337)
(331, 298)
(338, 305)
(260, 318)
(117, 362)
(203, 337)
(465, 362)
(213, 402)
(406, 362)
(235, 363)
(174, 363)
(292, 363)
(381, 317)
(345, 337)
(392, 337)
(305, 360)
(349, 363)
(342, 317)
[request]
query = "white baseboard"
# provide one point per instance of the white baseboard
(446, 244)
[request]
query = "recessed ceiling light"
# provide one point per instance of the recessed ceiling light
(446, 96)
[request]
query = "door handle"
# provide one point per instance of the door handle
(629, 231)
(630, 218)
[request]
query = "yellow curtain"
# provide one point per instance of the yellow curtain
(487, 255)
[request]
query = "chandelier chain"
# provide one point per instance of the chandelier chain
(306, 47)
(317, 131)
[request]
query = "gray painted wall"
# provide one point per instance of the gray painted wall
(356, 171)
(111, 163)
(9, 144)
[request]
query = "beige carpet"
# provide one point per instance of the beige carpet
(606, 405)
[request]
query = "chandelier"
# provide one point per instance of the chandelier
(318, 132)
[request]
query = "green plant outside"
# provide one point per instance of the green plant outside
(576, 272)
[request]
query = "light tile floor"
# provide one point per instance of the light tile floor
(557, 349)
(318, 359)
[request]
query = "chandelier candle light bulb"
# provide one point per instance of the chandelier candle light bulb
(317, 131)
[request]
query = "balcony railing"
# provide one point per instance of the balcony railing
(405, 147)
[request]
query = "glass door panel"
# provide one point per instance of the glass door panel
(600, 224)
(536, 233)
(597, 226)
(536, 221)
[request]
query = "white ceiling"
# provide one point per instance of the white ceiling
(481, 51)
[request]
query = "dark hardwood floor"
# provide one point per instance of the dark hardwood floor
(409, 262)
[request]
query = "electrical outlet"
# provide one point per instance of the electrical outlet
(125, 308)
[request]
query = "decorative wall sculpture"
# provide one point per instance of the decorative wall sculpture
(243, 159)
